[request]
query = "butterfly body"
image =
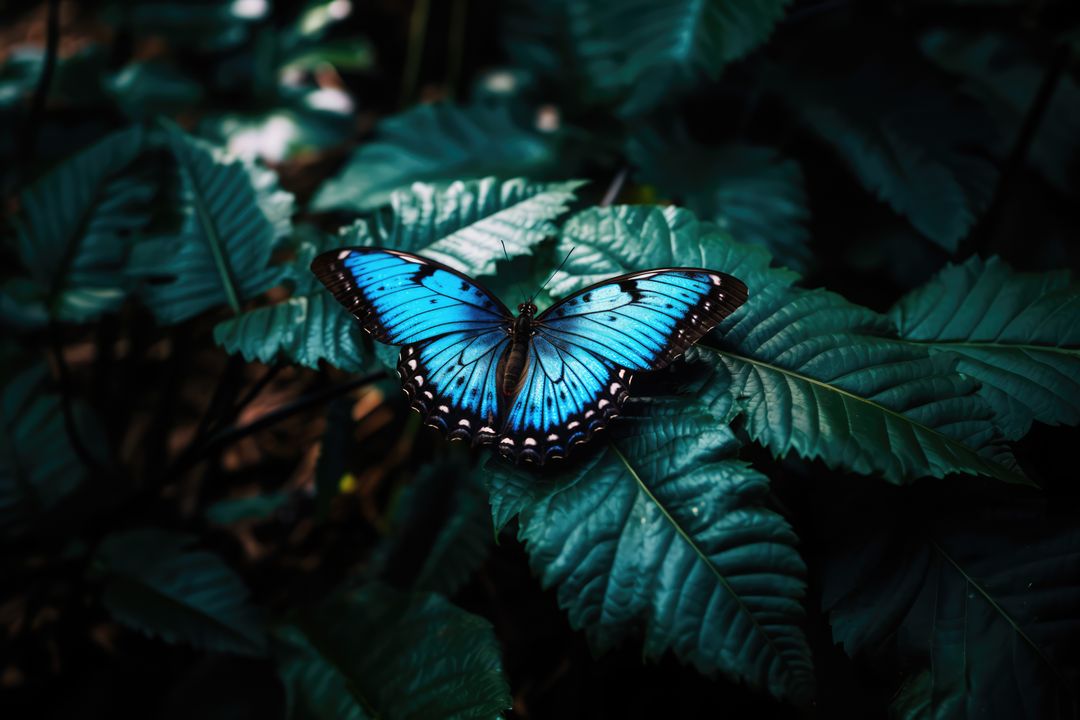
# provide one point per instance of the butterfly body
(532, 385)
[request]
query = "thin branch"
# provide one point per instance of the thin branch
(230, 435)
(67, 408)
(41, 91)
(616, 187)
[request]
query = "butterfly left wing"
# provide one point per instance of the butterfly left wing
(453, 330)
(586, 348)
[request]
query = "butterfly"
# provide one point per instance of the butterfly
(533, 385)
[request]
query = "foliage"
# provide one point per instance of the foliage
(213, 490)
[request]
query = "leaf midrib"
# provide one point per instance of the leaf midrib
(697, 550)
(999, 472)
(990, 345)
(206, 220)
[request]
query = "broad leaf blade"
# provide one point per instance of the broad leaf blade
(157, 586)
(234, 216)
(1018, 334)
(437, 144)
(662, 526)
(75, 232)
(378, 652)
(465, 226)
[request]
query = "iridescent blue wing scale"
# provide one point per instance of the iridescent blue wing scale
(454, 332)
(586, 348)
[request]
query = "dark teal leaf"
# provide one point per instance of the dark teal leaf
(1004, 75)
(377, 652)
(662, 526)
(753, 192)
(922, 158)
(145, 89)
(661, 49)
(256, 507)
(38, 463)
(980, 602)
(155, 585)
(812, 372)
(209, 25)
(465, 225)
(438, 144)
(75, 234)
(333, 462)
(234, 216)
(1018, 334)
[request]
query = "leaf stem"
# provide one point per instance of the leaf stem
(616, 186)
(414, 53)
(456, 45)
(41, 91)
(70, 425)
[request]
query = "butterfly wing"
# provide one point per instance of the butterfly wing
(587, 346)
(453, 330)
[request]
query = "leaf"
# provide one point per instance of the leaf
(255, 507)
(377, 652)
(1004, 76)
(212, 25)
(158, 587)
(979, 601)
(661, 49)
(438, 144)
(812, 372)
(38, 463)
(1018, 334)
(921, 158)
(145, 89)
(662, 526)
(333, 462)
(753, 192)
(465, 226)
(234, 216)
(75, 234)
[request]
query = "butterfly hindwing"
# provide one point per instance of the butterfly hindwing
(454, 331)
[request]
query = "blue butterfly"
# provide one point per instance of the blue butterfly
(533, 385)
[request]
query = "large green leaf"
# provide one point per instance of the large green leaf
(377, 652)
(38, 464)
(234, 216)
(1018, 334)
(662, 48)
(75, 234)
(751, 191)
(438, 144)
(157, 586)
(922, 158)
(662, 526)
(465, 226)
(812, 372)
(979, 603)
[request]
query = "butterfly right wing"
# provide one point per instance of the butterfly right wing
(454, 331)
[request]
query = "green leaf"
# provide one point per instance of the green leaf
(812, 372)
(753, 192)
(38, 464)
(465, 226)
(75, 234)
(377, 652)
(1004, 75)
(145, 89)
(438, 144)
(921, 158)
(662, 49)
(234, 216)
(255, 507)
(209, 25)
(980, 602)
(1018, 334)
(155, 585)
(662, 526)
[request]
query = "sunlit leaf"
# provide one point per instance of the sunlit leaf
(377, 652)
(661, 526)
(438, 144)
(156, 585)
(1018, 334)
(234, 216)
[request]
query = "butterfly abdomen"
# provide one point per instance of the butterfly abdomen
(516, 361)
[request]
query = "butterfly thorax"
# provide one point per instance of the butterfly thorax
(516, 360)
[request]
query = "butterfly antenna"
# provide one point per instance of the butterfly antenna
(520, 289)
(556, 272)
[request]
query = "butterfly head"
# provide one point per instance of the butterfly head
(527, 308)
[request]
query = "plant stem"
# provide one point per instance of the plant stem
(615, 187)
(456, 45)
(41, 91)
(305, 402)
(70, 425)
(414, 53)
